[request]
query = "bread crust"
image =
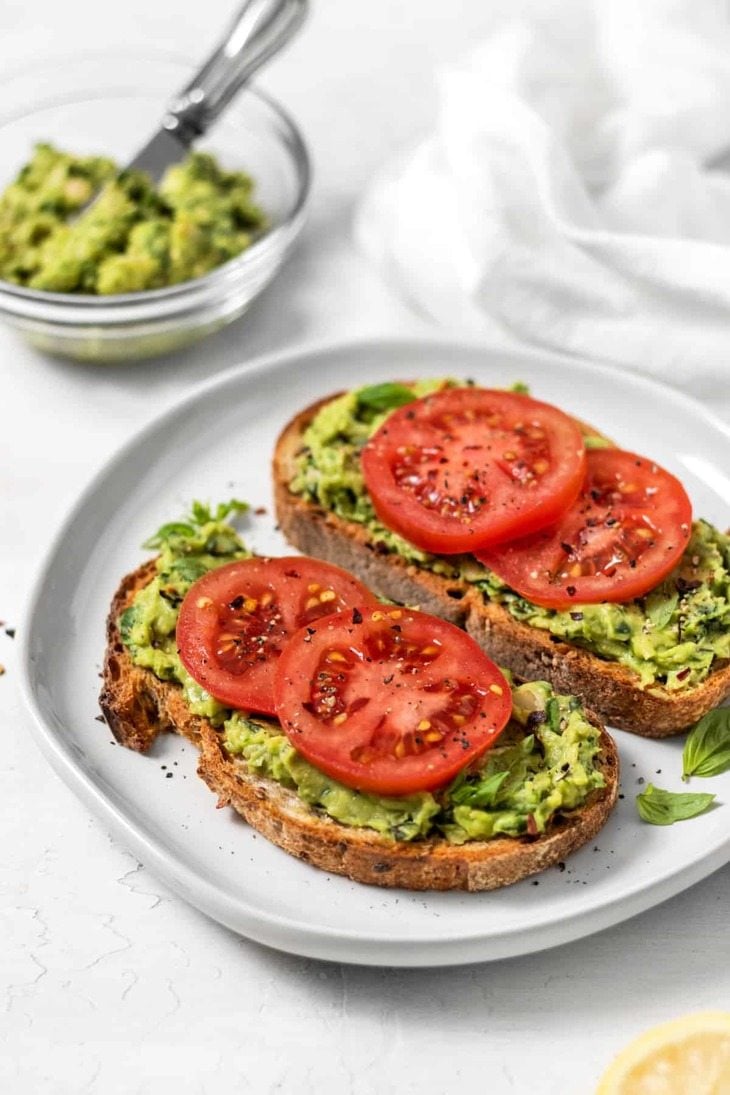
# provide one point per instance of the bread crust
(608, 688)
(138, 706)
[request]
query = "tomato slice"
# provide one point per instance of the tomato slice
(623, 535)
(389, 700)
(234, 621)
(465, 468)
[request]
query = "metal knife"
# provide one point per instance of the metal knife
(259, 30)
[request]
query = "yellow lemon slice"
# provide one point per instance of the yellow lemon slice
(688, 1056)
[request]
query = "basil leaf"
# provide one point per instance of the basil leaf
(233, 505)
(660, 605)
(483, 793)
(552, 711)
(660, 807)
(707, 748)
(174, 528)
(200, 515)
(385, 397)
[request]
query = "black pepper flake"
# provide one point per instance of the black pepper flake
(570, 590)
(536, 882)
(236, 603)
(622, 796)
(356, 616)
(168, 775)
(577, 616)
(641, 780)
(561, 866)
(10, 632)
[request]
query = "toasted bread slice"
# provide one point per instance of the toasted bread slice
(608, 688)
(138, 706)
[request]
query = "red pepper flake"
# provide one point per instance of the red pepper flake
(260, 511)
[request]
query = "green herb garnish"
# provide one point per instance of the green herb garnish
(385, 397)
(707, 748)
(660, 807)
(660, 605)
(480, 793)
(200, 515)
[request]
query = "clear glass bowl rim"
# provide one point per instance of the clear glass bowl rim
(29, 300)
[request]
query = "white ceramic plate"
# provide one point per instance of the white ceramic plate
(218, 442)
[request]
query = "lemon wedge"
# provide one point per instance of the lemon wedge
(687, 1056)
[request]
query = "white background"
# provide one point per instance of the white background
(107, 982)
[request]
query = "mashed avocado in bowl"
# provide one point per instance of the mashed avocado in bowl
(134, 236)
(175, 269)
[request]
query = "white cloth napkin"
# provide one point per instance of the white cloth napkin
(566, 197)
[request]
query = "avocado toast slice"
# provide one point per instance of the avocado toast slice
(682, 631)
(555, 803)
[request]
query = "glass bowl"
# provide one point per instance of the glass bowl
(110, 103)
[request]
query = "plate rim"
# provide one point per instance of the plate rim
(284, 932)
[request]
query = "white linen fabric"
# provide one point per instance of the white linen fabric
(573, 194)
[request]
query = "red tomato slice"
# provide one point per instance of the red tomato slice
(389, 700)
(234, 621)
(623, 535)
(468, 467)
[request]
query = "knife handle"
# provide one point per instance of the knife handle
(259, 30)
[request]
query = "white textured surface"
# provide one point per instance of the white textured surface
(108, 984)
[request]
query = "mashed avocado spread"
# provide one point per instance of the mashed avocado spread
(134, 236)
(671, 637)
(544, 761)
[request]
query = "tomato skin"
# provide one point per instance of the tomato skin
(389, 700)
(465, 468)
(234, 620)
(613, 545)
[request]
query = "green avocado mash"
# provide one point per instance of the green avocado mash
(544, 761)
(671, 637)
(134, 237)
